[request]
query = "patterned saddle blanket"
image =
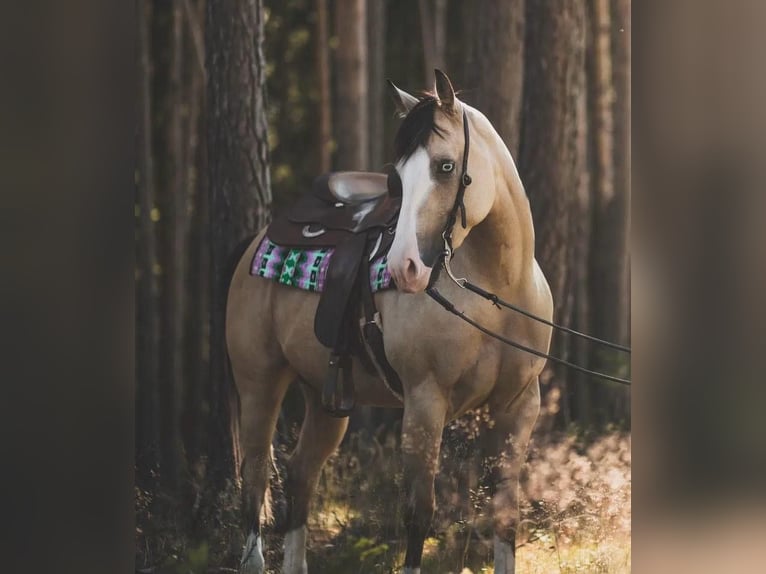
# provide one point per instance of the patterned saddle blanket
(306, 268)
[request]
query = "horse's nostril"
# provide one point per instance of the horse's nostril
(411, 269)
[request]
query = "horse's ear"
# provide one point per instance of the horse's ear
(403, 101)
(444, 91)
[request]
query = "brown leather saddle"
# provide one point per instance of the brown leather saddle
(353, 213)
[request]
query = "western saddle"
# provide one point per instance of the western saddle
(355, 213)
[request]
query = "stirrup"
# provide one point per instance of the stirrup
(338, 403)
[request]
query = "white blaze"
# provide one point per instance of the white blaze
(415, 174)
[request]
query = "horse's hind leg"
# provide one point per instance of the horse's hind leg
(260, 400)
(506, 444)
(320, 436)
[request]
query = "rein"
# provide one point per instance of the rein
(444, 261)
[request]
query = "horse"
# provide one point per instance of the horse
(446, 367)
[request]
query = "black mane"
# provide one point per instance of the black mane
(416, 128)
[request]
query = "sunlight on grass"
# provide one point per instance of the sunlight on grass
(332, 518)
(608, 557)
(574, 499)
(592, 558)
(575, 506)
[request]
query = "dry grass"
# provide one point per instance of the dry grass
(575, 512)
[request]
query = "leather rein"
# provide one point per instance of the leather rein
(444, 261)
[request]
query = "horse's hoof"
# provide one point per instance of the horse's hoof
(505, 557)
(252, 557)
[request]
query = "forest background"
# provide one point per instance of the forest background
(241, 104)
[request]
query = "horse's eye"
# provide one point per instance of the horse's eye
(446, 166)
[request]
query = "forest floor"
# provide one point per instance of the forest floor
(575, 506)
(575, 511)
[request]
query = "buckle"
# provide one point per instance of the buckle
(376, 320)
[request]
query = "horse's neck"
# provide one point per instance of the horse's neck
(502, 245)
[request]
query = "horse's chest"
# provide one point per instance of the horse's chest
(422, 342)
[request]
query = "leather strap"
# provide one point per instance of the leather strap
(459, 205)
(372, 331)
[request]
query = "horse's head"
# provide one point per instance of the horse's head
(429, 148)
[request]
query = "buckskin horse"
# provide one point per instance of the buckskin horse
(482, 223)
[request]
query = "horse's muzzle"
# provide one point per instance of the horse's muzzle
(411, 275)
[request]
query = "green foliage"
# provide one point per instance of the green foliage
(290, 50)
(358, 555)
(195, 562)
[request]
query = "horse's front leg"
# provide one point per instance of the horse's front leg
(425, 408)
(506, 448)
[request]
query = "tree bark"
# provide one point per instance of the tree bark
(433, 28)
(440, 34)
(552, 158)
(607, 272)
(352, 128)
(196, 304)
(621, 38)
(376, 32)
(495, 69)
(173, 387)
(147, 390)
(612, 213)
(239, 188)
(325, 99)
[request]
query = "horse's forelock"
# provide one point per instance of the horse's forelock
(416, 128)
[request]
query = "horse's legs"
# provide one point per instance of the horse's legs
(260, 400)
(320, 436)
(506, 445)
(425, 409)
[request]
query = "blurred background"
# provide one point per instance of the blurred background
(241, 103)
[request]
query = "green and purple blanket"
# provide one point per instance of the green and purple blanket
(307, 268)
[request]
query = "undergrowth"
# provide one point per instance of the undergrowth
(575, 508)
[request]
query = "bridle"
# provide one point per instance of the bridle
(445, 257)
(459, 205)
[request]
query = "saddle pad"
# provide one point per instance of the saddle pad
(307, 268)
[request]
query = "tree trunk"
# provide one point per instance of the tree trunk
(440, 34)
(552, 153)
(147, 390)
(433, 29)
(376, 31)
(175, 264)
(612, 214)
(622, 175)
(608, 261)
(325, 100)
(196, 305)
(352, 128)
(495, 68)
(239, 188)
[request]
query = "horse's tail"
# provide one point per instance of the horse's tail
(230, 267)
